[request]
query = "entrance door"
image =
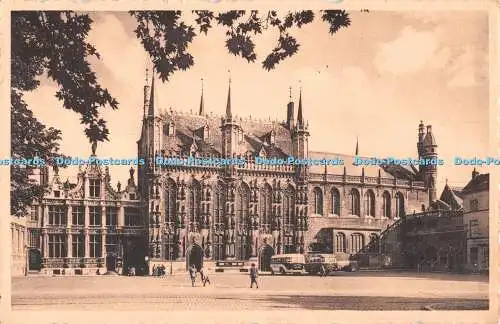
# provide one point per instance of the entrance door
(195, 257)
(265, 258)
(35, 259)
(111, 262)
(134, 252)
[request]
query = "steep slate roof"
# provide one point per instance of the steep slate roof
(255, 133)
(450, 197)
(457, 191)
(481, 182)
(397, 171)
(255, 139)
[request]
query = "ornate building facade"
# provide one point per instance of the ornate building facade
(188, 213)
(208, 213)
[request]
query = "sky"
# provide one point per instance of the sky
(373, 81)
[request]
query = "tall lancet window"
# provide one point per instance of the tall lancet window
(266, 208)
(171, 248)
(400, 205)
(369, 203)
(288, 220)
(242, 249)
(170, 201)
(355, 202)
(219, 206)
(386, 202)
(318, 201)
(335, 202)
(194, 202)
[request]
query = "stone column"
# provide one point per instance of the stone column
(87, 243)
(87, 217)
(69, 240)
(103, 217)
(45, 216)
(69, 220)
(86, 186)
(103, 237)
(70, 245)
(45, 244)
(121, 217)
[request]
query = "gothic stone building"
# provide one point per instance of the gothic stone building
(224, 214)
(246, 213)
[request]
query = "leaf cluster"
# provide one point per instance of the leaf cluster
(165, 36)
(53, 44)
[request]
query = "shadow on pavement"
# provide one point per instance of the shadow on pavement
(371, 303)
(416, 275)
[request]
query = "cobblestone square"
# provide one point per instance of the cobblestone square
(341, 291)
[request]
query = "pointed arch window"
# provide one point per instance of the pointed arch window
(170, 201)
(219, 205)
(318, 201)
(355, 202)
(335, 202)
(369, 203)
(266, 207)
(400, 205)
(242, 216)
(386, 204)
(194, 202)
(289, 220)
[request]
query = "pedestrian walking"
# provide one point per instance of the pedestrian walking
(204, 276)
(253, 276)
(323, 271)
(192, 274)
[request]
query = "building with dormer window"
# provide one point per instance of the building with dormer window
(85, 227)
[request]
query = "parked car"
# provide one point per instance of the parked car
(345, 264)
(315, 262)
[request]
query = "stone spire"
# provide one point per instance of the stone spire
(300, 117)
(228, 104)
(202, 103)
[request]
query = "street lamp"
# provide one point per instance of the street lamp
(146, 258)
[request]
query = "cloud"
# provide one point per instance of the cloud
(463, 69)
(409, 53)
(119, 62)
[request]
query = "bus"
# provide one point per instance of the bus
(288, 264)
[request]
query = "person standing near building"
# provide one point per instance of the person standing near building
(253, 276)
(192, 274)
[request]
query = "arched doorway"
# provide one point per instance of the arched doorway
(195, 256)
(35, 259)
(266, 252)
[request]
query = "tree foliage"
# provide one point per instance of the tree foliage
(165, 35)
(30, 139)
(53, 44)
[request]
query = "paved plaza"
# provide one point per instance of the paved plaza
(342, 291)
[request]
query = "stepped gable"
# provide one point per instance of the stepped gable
(255, 132)
(386, 171)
